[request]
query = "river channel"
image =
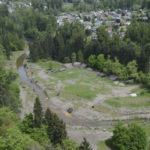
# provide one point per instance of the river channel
(24, 77)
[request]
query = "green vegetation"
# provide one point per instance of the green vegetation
(129, 102)
(128, 58)
(85, 145)
(10, 135)
(130, 137)
(9, 90)
(81, 91)
(102, 146)
(49, 65)
(81, 83)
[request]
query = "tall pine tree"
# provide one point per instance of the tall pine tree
(37, 113)
(56, 128)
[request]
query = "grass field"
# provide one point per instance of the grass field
(81, 83)
(140, 101)
(49, 64)
(102, 146)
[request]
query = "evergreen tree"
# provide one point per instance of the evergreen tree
(73, 57)
(56, 128)
(85, 145)
(37, 113)
(80, 56)
(27, 124)
(48, 118)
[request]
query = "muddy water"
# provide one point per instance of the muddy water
(24, 77)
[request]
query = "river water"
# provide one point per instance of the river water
(24, 77)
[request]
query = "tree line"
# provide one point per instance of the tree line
(71, 42)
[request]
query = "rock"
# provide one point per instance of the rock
(133, 95)
(76, 64)
(58, 94)
(121, 84)
(83, 66)
(101, 74)
(116, 82)
(68, 65)
(92, 106)
(63, 69)
(104, 130)
(129, 81)
(57, 70)
(89, 69)
(25, 65)
(70, 110)
(113, 77)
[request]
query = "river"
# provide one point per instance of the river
(24, 77)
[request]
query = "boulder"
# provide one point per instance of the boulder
(113, 77)
(101, 74)
(89, 69)
(93, 106)
(121, 84)
(76, 64)
(68, 65)
(83, 66)
(25, 65)
(62, 69)
(116, 82)
(70, 110)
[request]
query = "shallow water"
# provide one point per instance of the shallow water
(24, 77)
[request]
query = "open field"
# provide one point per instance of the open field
(93, 99)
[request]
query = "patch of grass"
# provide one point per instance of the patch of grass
(102, 109)
(129, 102)
(143, 92)
(76, 106)
(49, 64)
(102, 146)
(81, 91)
(65, 75)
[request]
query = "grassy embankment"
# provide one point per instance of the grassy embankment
(26, 93)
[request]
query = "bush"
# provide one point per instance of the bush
(131, 137)
(92, 61)
(117, 67)
(132, 70)
(67, 60)
(100, 62)
(108, 66)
